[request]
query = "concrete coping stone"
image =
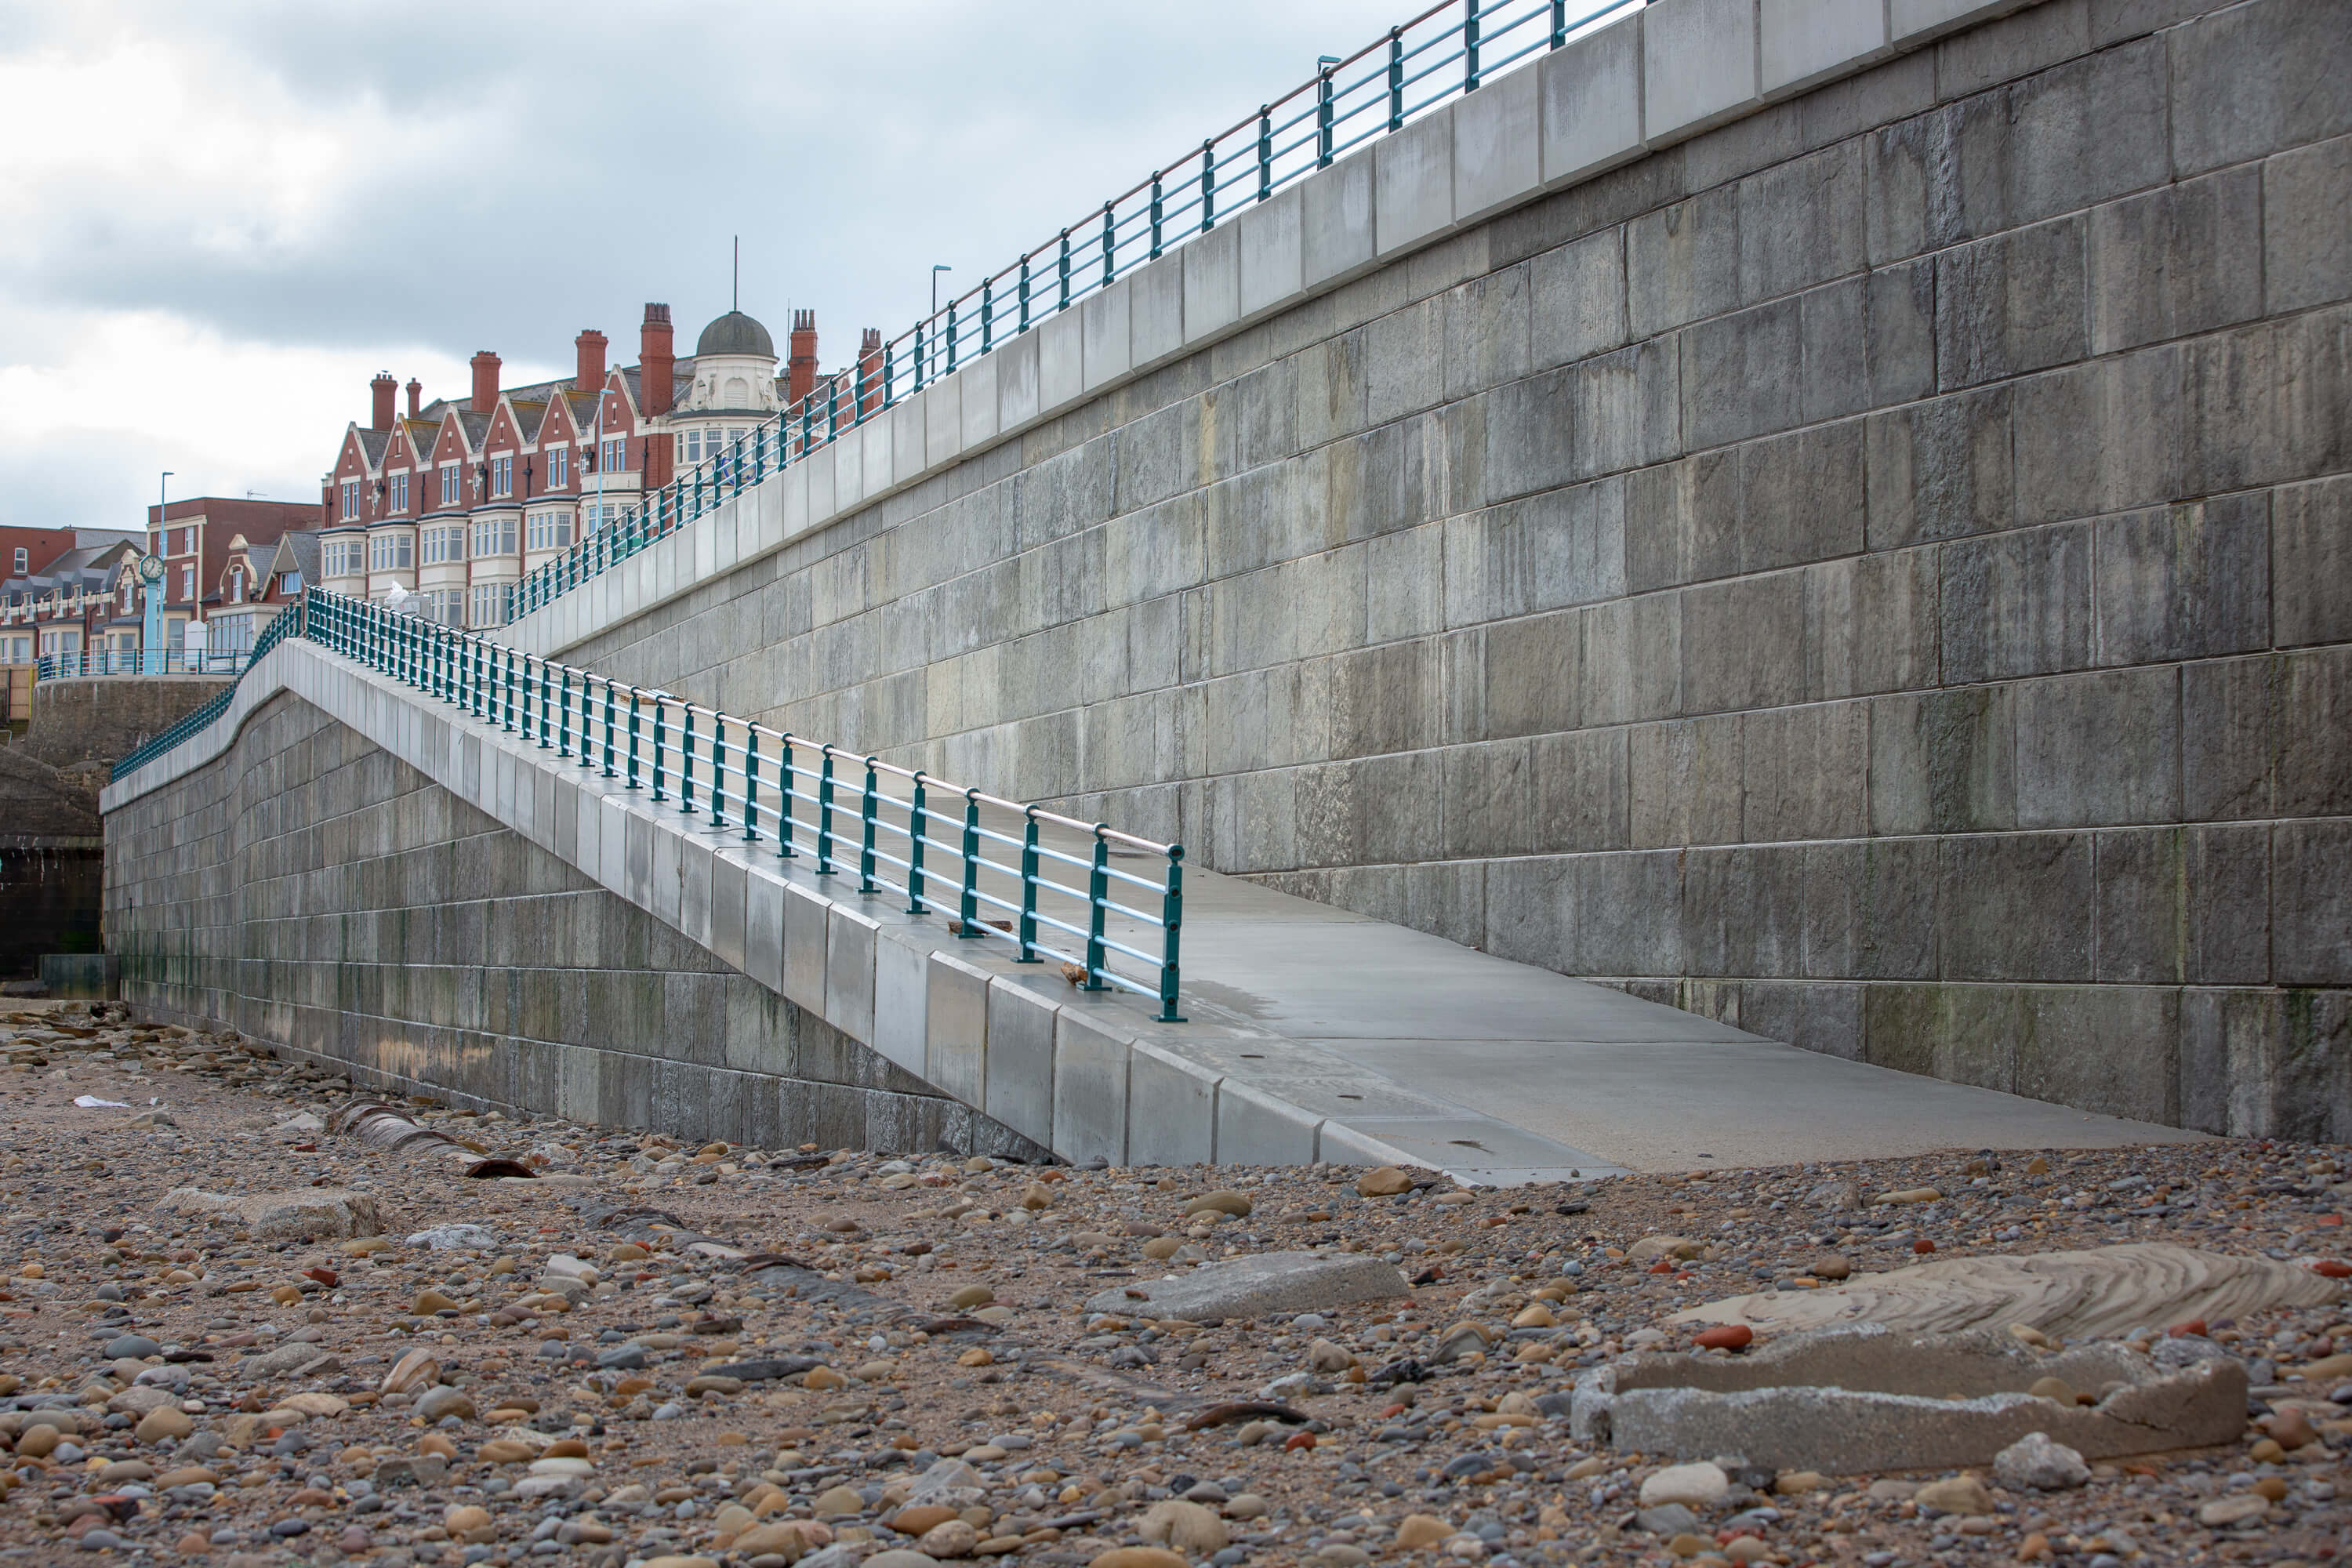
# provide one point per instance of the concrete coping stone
(1255, 1286)
(1863, 1398)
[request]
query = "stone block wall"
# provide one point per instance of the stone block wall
(318, 892)
(1878, 572)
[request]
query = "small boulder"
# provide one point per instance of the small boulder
(1956, 1494)
(1188, 1527)
(1694, 1486)
(1382, 1181)
(2034, 1463)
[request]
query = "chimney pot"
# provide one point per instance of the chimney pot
(657, 363)
(590, 376)
(386, 391)
(486, 381)
(415, 397)
(801, 370)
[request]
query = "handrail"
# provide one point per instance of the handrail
(86, 662)
(754, 780)
(1396, 78)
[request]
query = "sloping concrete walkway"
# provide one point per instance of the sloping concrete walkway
(1311, 1034)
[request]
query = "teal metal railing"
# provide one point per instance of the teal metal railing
(1444, 52)
(993, 866)
(84, 662)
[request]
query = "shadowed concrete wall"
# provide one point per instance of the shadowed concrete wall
(1877, 572)
(314, 890)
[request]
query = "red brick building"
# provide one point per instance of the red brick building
(207, 544)
(455, 501)
(54, 584)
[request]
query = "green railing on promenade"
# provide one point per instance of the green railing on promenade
(1444, 52)
(934, 846)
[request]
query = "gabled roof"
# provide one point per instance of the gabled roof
(297, 551)
(372, 443)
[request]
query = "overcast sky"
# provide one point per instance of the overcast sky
(217, 220)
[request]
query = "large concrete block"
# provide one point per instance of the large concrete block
(902, 999)
(1018, 385)
(1156, 310)
(1061, 361)
(2306, 234)
(2010, 907)
(1255, 1128)
(1172, 1110)
(1871, 623)
(1107, 317)
(2183, 581)
(2010, 304)
(2099, 749)
(2311, 559)
(1270, 238)
(1090, 1098)
(1591, 103)
(957, 1017)
(1698, 66)
(807, 948)
(1577, 299)
(2016, 604)
(1497, 144)
(1336, 228)
(978, 401)
(943, 420)
(2250, 79)
(763, 928)
(1944, 761)
(1940, 468)
(1020, 1080)
(1801, 42)
(1213, 280)
(2177, 261)
(2102, 436)
(1915, 22)
(906, 440)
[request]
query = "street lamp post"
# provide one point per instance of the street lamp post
(150, 634)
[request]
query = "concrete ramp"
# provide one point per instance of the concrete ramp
(1311, 1034)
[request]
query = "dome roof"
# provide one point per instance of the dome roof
(735, 333)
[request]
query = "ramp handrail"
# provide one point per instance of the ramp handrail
(770, 785)
(1440, 54)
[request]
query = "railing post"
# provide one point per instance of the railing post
(1028, 931)
(1097, 907)
(824, 817)
(564, 736)
(511, 685)
(546, 700)
(1065, 272)
(1265, 151)
(610, 771)
(1323, 119)
(633, 739)
(951, 340)
(750, 784)
(915, 829)
(967, 906)
(1109, 246)
(1396, 78)
(1208, 185)
(685, 763)
(785, 785)
(987, 314)
(718, 769)
(1155, 215)
(659, 701)
(1469, 46)
(1559, 24)
(867, 806)
(1171, 922)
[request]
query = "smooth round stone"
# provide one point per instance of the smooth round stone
(562, 1466)
(132, 1347)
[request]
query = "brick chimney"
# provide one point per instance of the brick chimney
(386, 390)
(869, 372)
(655, 361)
(485, 381)
(803, 366)
(590, 376)
(415, 397)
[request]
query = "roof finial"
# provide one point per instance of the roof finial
(736, 291)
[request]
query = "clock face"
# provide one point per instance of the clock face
(151, 568)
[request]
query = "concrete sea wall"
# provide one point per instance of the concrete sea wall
(1875, 571)
(315, 890)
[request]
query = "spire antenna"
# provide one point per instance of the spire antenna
(738, 287)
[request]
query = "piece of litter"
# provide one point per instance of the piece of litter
(91, 1102)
